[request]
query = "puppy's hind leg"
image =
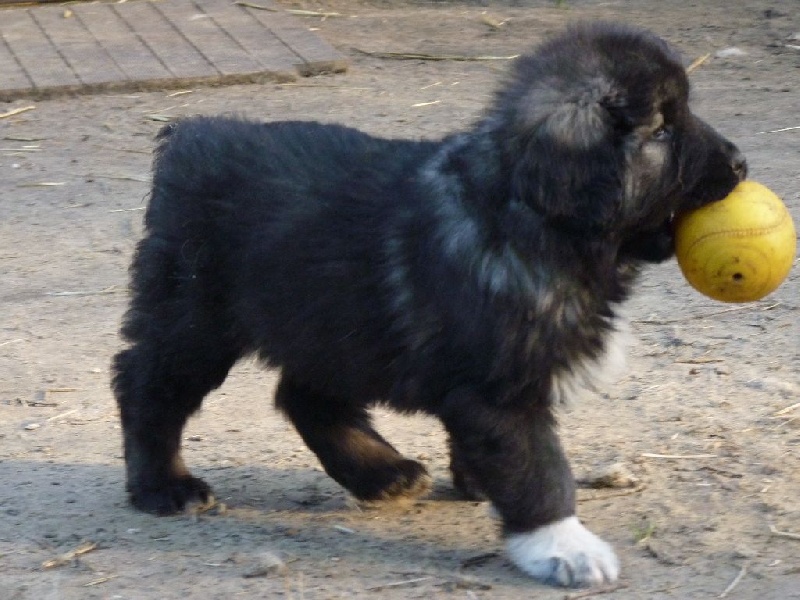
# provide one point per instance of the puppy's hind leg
(350, 450)
(181, 349)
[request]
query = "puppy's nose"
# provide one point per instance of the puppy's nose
(739, 165)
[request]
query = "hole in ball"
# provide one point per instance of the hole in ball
(738, 276)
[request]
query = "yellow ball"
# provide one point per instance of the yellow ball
(738, 249)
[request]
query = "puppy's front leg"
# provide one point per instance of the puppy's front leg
(513, 453)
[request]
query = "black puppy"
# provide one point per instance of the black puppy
(477, 278)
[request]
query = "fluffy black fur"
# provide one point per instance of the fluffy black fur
(476, 278)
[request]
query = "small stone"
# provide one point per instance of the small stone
(32, 426)
(266, 564)
(615, 475)
(730, 52)
(745, 552)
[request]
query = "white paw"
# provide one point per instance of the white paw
(564, 553)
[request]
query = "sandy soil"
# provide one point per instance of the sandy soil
(716, 384)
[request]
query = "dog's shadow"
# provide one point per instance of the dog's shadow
(308, 515)
(307, 490)
(48, 508)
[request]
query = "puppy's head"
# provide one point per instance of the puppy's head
(599, 137)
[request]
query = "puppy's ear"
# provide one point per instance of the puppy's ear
(568, 164)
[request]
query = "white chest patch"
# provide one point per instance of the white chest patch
(593, 374)
(564, 553)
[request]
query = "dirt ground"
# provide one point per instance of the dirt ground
(715, 385)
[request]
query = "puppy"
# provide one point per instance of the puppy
(477, 278)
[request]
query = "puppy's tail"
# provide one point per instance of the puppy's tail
(197, 162)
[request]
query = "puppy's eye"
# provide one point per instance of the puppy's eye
(662, 134)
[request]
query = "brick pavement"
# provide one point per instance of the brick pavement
(152, 44)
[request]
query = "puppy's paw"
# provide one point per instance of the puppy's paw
(171, 496)
(564, 553)
(415, 481)
(402, 481)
